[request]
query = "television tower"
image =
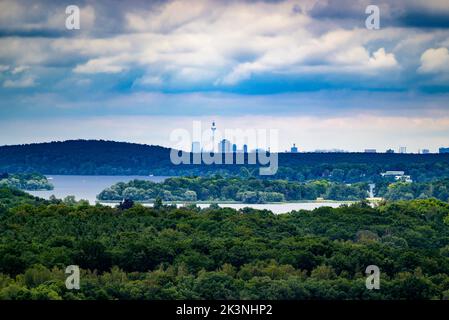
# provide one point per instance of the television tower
(213, 128)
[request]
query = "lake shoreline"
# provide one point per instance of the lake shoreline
(275, 208)
(233, 202)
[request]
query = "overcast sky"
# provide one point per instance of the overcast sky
(136, 70)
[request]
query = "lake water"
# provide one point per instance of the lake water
(278, 208)
(88, 187)
(85, 187)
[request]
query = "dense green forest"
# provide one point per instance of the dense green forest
(221, 253)
(217, 188)
(25, 181)
(10, 197)
(93, 157)
(416, 190)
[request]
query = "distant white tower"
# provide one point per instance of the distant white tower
(213, 128)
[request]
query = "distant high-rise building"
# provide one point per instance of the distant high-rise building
(224, 146)
(370, 150)
(389, 151)
(425, 151)
(234, 148)
(213, 129)
(245, 148)
(444, 150)
(294, 149)
(402, 149)
(196, 147)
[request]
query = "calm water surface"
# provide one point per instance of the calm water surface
(85, 187)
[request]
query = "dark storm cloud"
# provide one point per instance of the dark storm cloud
(26, 18)
(424, 19)
(339, 9)
(404, 13)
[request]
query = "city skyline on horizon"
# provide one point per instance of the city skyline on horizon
(243, 148)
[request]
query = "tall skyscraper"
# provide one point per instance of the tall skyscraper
(213, 128)
(402, 149)
(294, 149)
(224, 146)
(234, 148)
(245, 148)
